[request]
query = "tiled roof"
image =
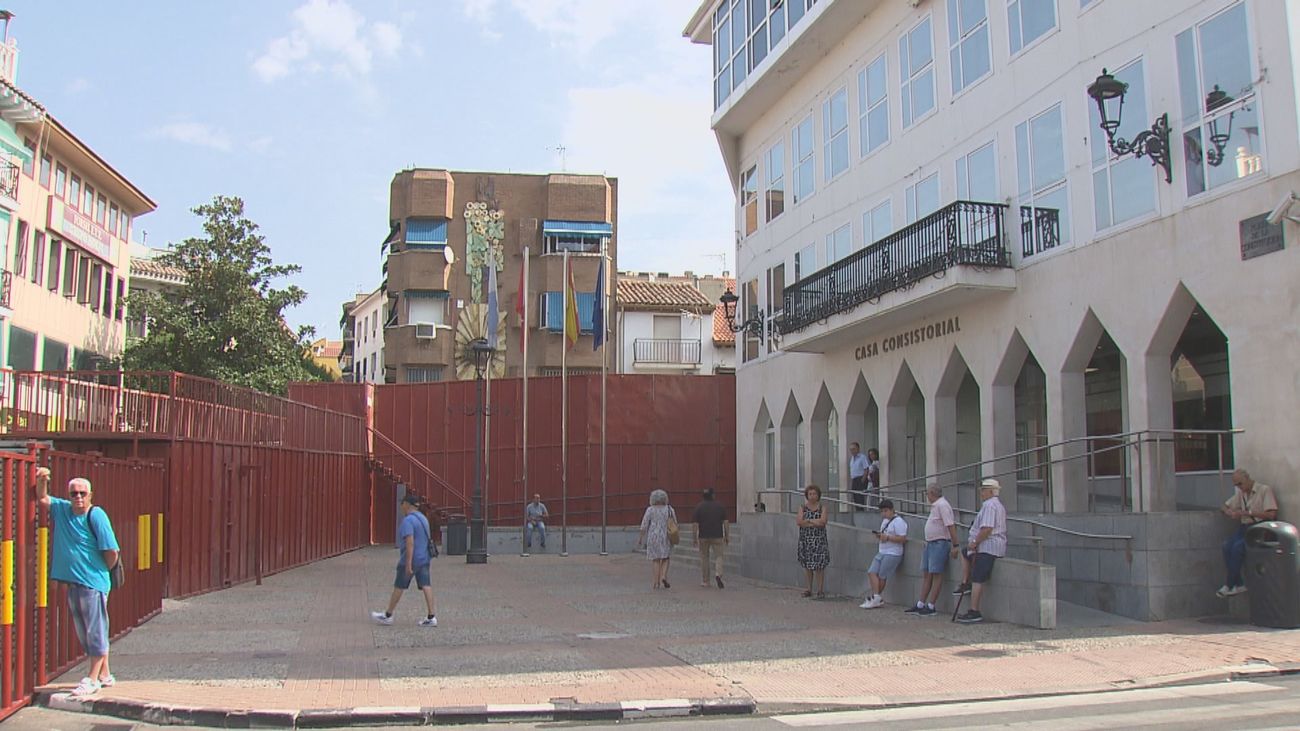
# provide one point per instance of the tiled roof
(722, 334)
(150, 269)
(634, 294)
(330, 349)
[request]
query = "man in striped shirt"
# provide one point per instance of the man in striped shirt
(987, 543)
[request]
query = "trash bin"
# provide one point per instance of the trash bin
(1272, 574)
(457, 535)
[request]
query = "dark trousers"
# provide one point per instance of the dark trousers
(858, 489)
(1234, 556)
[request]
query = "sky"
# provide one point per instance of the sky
(307, 108)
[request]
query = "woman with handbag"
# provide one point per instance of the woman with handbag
(659, 533)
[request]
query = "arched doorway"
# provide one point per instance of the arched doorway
(1033, 473)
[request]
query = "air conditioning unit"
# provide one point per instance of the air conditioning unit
(425, 330)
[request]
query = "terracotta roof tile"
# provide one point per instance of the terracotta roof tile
(636, 294)
(722, 334)
(150, 269)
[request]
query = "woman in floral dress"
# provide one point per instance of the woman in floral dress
(654, 536)
(814, 547)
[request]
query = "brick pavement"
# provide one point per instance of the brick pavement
(590, 629)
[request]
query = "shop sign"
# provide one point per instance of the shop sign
(1259, 237)
(80, 229)
(908, 338)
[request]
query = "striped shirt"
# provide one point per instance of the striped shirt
(992, 515)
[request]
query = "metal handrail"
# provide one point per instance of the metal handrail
(433, 476)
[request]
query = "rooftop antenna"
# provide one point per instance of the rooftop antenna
(564, 157)
(722, 257)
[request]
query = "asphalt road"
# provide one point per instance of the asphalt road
(1261, 705)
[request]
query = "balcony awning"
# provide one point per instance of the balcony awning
(550, 228)
(391, 237)
(426, 231)
(12, 143)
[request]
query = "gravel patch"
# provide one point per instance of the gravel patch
(461, 635)
(207, 642)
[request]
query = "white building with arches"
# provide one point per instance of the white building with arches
(941, 256)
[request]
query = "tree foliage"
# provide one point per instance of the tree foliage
(226, 321)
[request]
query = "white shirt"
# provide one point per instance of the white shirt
(858, 464)
(894, 526)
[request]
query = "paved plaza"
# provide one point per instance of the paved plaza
(589, 629)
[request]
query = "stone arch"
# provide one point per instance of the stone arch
(862, 417)
(957, 431)
(905, 465)
(826, 448)
(1094, 404)
(765, 456)
(1017, 410)
(791, 445)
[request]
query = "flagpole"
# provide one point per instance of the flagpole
(564, 417)
(523, 298)
(604, 373)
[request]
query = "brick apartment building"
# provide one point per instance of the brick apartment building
(448, 226)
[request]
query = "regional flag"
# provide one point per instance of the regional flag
(598, 313)
(493, 307)
(570, 305)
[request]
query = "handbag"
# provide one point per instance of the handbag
(116, 573)
(674, 533)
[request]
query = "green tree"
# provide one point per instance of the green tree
(226, 321)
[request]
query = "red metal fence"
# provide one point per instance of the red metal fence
(38, 640)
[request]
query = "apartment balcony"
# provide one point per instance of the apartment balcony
(6, 288)
(419, 344)
(9, 184)
(420, 269)
(932, 268)
(666, 353)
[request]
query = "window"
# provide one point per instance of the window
(1222, 136)
(835, 129)
(805, 261)
(922, 198)
(425, 310)
(124, 226)
(743, 33)
(74, 192)
(1123, 188)
(968, 38)
(551, 317)
(802, 155)
(775, 189)
(425, 232)
(873, 106)
(1029, 20)
(83, 280)
(120, 311)
(28, 165)
(577, 237)
(101, 210)
(749, 308)
(1041, 188)
(775, 303)
(38, 258)
(88, 201)
(758, 10)
(69, 272)
(46, 165)
(977, 175)
(749, 199)
(877, 223)
(60, 180)
(20, 250)
(916, 59)
(107, 310)
(839, 243)
(56, 256)
(112, 218)
(423, 374)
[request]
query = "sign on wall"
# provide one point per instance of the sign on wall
(1259, 237)
(80, 229)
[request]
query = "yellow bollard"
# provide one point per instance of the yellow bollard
(142, 543)
(42, 567)
(7, 578)
(160, 539)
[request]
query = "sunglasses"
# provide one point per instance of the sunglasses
(78, 493)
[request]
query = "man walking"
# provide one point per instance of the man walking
(535, 515)
(711, 536)
(987, 543)
(858, 465)
(893, 537)
(1251, 502)
(413, 562)
(84, 549)
(940, 544)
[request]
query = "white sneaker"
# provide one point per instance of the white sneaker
(87, 686)
(108, 682)
(874, 602)
(1234, 591)
(381, 618)
(866, 604)
(1223, 591)
(428, 622)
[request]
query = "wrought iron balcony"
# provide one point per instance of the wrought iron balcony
(964, 233)
(1040, 230)
(6, 288)
(8, 179)
(661, 351)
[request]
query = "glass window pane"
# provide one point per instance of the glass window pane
(1013, 25)
(923, 94)
(876, 81)
(1225, 52)
(973, 12)
(882, 221)
(796, 11)
(975, 56)
(1194, 157)
(878, 126)
(1037, 17)
(758, 47)
(1133, 189)
(927, 196)
(1101, 199)
(1242, 155)
(1022, 160)
(1059, 200)
(953, 32)
(1048, 149)
(777, 25)
(920, 51)
(1189, 90)
(983, 172)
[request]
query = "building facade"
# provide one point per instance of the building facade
(667, 326)
(943, 256)
(449, 227)
(361, 359)
(65, 224)
(148, 274)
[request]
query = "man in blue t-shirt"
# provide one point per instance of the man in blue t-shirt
(84, 547)
(413, 542)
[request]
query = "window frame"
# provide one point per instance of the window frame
(961, 173)
(748, 189)
(774, 171)
(911, 209)
(907, 85)
(60, 180)
(45, 171)
(869, 236)
(865, 107)
(1110, 160)
(74, 191)
(1033, 195)
(832, 138)
(1025, 47)
(957, 42)
(798, 162)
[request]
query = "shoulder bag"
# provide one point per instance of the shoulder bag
(674, 532)
(116, 574)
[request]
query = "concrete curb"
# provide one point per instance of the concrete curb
(165, 715)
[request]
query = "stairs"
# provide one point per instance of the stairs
(686, 557)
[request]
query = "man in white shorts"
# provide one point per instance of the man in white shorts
(893, 537)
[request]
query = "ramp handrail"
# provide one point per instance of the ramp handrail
(434, 477)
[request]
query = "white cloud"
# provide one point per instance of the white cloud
(195, 133)
(78, 85)
(579, 25)
(328, 34)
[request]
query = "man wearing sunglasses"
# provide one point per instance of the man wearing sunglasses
(84, 546)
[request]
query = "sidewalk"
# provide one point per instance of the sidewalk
(589, 630)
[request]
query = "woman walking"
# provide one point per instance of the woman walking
(814, 547)
(654, 535)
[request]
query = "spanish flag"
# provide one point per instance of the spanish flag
(570, 305)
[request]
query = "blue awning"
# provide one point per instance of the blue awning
(426, 231)
(12, 143)
(577, 227)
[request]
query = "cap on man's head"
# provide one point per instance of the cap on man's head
(708, 493)
(412, 499)
(991, 484)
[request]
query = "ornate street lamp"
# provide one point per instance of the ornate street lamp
(481, 351)
(1219, 140)
(753, 326)
(1109, 92)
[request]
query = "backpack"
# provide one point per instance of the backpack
(116, 573)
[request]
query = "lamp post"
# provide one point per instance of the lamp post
(752, 326)
(1109, 92)
(482, 353)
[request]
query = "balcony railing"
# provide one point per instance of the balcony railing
(661, 351)
(1040, 230)
(963, 233)
(8, 179)
(6, 287)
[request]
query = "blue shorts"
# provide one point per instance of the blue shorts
(421, 576)
(89, 618)
(935, 560)
(884, 565)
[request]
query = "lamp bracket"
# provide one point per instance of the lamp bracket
(1153, 143)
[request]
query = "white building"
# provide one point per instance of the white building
(1080, 294)
(668, 327)
(362, 360)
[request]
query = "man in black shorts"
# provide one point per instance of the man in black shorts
(988, 543)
